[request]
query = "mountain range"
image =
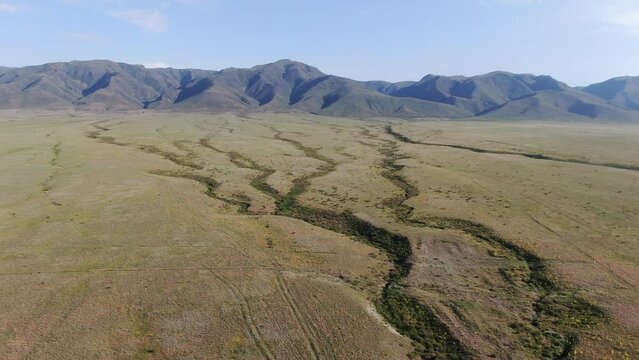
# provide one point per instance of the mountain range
(286, 85)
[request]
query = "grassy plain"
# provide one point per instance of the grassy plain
(166, 235)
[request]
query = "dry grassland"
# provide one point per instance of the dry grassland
(280, 236)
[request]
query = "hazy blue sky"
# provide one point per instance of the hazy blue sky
(576, 41)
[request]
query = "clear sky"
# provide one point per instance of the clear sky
(576, 41)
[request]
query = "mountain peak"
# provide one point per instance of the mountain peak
(621, 91)
(288, 64)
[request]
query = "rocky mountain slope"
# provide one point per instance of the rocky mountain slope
(620, 91)
(293, 86)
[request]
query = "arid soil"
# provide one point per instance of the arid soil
(165, 235)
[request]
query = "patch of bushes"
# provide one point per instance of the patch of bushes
(432, 338)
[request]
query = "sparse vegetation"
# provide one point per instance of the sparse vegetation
(430, 336)
(406, 139)
(559, 312)
(287, 236)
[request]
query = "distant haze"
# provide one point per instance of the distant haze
(578, 41)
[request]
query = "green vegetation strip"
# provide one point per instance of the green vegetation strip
(243, 203)
(404, 138)
(211, 185)
(559, 313)
(431, 337)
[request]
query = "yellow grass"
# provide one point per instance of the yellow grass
(110, 246)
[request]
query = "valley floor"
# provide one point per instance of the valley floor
(280, 236)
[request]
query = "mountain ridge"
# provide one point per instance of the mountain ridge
(287, 85)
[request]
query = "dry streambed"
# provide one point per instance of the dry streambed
(538, 156)
(431, 337)
(558, 312)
